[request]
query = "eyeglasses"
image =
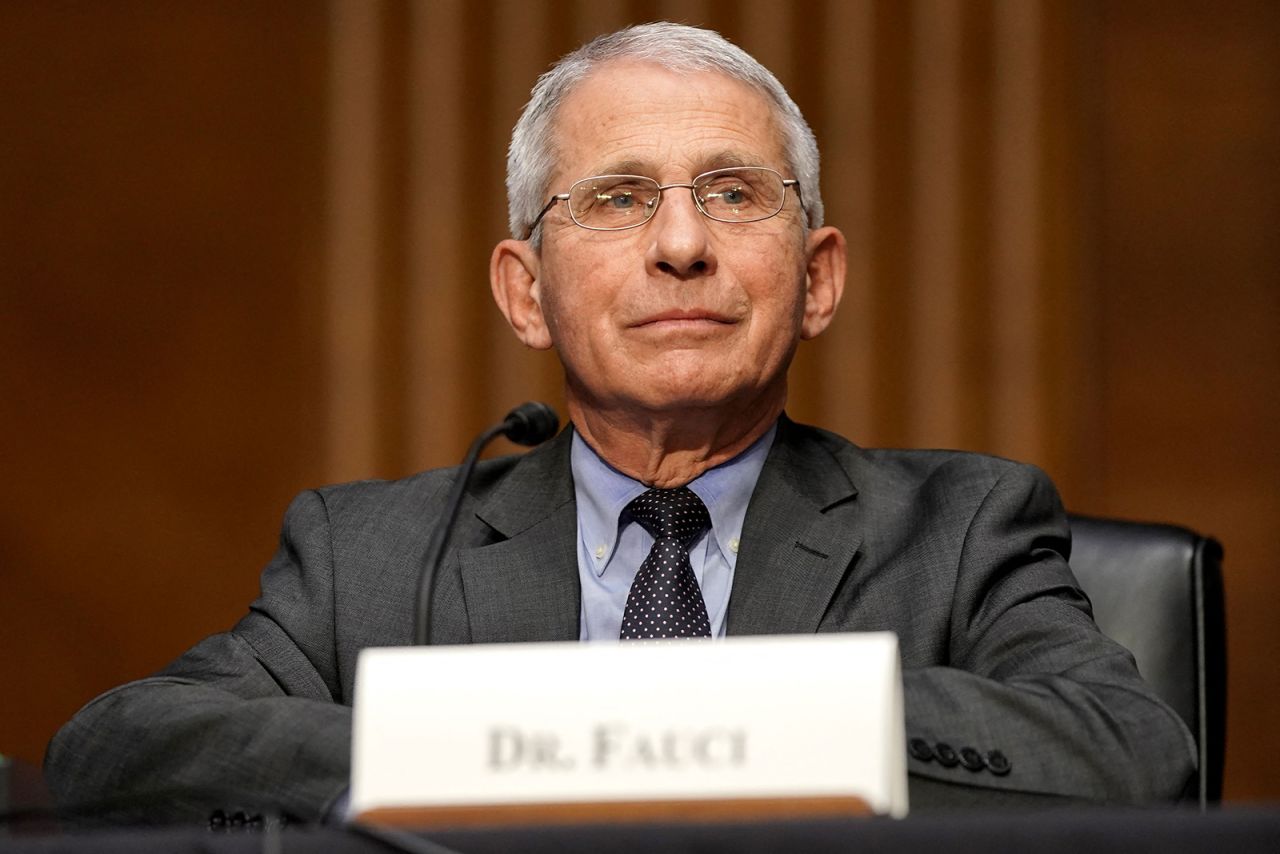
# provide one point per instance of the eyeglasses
(615, 202)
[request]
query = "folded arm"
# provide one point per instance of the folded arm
(1032, 688)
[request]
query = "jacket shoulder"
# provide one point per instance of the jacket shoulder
(413, 496)
(908, 468)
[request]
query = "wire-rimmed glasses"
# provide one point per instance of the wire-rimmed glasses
(615, 202)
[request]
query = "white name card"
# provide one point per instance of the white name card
(676, 722)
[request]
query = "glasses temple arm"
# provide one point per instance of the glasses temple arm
(559, 197)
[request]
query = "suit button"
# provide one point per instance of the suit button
(971, 759)
(919, 749)
(217, 820)
(998, 763)
(946, 755)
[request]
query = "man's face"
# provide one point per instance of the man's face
(681, 312)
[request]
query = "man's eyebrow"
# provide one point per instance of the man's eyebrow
(716, 160)
(727, 158)
(625, 167)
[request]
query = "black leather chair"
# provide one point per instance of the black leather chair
(1157, 589)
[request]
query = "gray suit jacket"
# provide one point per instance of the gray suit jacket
(963, 556)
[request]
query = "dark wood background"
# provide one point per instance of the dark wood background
(243, 251)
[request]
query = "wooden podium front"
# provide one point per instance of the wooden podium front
(606, 812)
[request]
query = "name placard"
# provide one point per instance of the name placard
(474, 731)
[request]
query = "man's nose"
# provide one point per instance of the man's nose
(680, 240)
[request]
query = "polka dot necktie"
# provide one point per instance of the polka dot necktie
(665, 600)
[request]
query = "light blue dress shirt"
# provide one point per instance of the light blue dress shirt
(609, 555)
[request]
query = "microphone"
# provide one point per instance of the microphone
(530, 424)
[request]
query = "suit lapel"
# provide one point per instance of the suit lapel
(799, 539)
(525, 586)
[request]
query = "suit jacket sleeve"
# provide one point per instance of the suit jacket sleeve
(252, 719)
(1030, 681)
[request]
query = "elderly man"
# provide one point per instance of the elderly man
(668, 244)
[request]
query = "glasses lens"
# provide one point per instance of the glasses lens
(741, 195)
(613, 201)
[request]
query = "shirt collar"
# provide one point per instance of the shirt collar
(603, 493)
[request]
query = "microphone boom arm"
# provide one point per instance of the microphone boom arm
(528, 424)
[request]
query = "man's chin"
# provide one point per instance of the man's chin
(680, 386)
(689, 400)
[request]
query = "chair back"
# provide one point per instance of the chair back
(1157, 590)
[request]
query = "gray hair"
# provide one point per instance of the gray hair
(677, 47)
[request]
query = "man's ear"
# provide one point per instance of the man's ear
(824, 280)
(513, 275)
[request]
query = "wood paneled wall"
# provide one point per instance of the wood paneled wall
(244, 251)
(1185, 285)
(162, 212)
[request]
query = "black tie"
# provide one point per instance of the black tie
(665, 601)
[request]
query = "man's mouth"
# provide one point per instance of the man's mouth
(676, 318)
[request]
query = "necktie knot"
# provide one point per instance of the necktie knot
(675, 514)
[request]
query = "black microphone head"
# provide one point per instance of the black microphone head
(530, 423)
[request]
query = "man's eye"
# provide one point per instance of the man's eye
(616, 201)
(734, 196)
